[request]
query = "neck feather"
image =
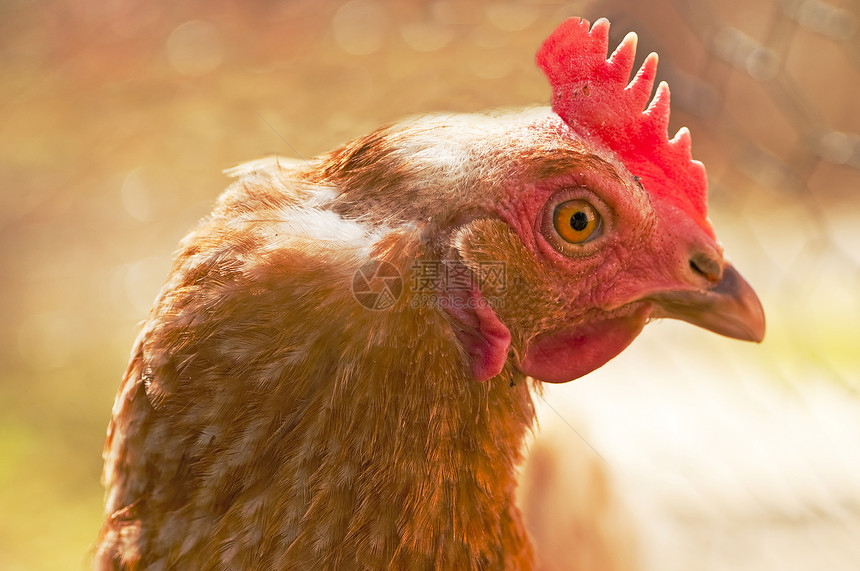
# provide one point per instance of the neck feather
(303, 430)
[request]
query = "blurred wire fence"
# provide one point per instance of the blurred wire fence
(118, 117)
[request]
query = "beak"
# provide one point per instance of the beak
(730, 307)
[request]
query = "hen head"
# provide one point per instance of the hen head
(579, 224)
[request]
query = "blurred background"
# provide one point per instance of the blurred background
(117, 117)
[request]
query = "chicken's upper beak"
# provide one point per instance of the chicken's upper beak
(730, 307)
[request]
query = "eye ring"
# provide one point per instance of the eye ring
(574, 222)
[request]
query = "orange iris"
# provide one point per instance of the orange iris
(576, 221)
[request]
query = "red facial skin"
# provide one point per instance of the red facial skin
(591, 274)
(608, 285)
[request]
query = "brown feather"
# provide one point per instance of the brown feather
(266, 420)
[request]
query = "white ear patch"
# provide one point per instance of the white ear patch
(323, 225)
(326, 230)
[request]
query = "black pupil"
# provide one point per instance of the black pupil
(579, 221)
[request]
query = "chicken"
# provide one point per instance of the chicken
(338, 373)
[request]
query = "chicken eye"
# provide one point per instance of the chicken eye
(577, 221)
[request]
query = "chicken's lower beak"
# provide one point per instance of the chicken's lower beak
(730, 308)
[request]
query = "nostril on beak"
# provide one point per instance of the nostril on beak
(707, 266)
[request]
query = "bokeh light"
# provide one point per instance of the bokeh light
(194, 48)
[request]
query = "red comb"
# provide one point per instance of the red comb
(593, 97)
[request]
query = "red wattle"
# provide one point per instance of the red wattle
(567, 354)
